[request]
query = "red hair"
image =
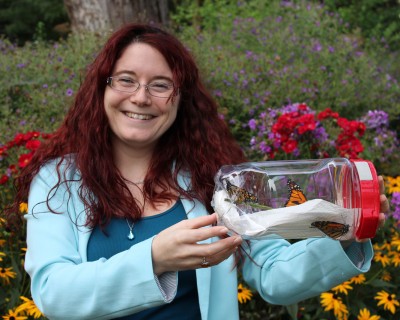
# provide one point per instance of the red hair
(198, 142)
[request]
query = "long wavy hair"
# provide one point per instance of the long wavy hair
(198, 142)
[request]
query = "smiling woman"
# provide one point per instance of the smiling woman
(120, 196)
(140, 114)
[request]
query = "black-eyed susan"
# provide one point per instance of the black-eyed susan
(359, 279)
(386, 276)
(366, 315)
(396, 244)
(395, 258)
(6, 274)
(331, 301)
(343, 288)
(393, 184)
(13, 315)
(388, 301)
(381, 257)
(244, 294)
(23, 207)
(29, 307)
(2, 254)
(386, 245)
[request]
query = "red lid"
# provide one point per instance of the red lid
(370, 202)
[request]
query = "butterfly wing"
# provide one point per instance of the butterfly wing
(240, 195)
(296, 195)
(332, 229)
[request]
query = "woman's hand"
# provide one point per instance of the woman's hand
(384, 205)
(177, 248)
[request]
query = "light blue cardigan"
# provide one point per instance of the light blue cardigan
(65, 286)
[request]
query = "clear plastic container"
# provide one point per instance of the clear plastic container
(297, 199)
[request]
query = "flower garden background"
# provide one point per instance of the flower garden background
(292, 81)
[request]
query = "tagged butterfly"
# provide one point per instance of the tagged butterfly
(296, 195)
(332, 229)
(240, 195)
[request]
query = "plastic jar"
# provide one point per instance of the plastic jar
(296, 199)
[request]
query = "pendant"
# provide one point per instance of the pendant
(130, 235)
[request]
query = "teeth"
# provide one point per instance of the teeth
(139, 116)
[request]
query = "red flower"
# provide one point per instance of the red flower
(32, 144)
(3, 179)
(327, 113)
(24, 159)
(289, 146)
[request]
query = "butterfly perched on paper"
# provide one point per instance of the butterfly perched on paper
(240, 195)
(296, 195)
(332, 229)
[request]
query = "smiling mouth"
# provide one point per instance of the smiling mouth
(138, 116)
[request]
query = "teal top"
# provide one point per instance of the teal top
(114, 239)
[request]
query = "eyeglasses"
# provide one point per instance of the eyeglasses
(157, 88)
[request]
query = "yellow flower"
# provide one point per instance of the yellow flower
(388, 300)
(29, 307)
(358, 279)
(23, 207)
(2, 242)
(6, 274)
(382, 258)
(395, 258)
(386, 245)
(343, 287)
(393, 184)
(330, 301)
(2, 254)
(386, 276)
(396, 242)
(13, 315)
(244, 294)
(366, 315)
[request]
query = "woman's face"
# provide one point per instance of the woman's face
(139, 119)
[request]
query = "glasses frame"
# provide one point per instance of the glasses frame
(146, 86)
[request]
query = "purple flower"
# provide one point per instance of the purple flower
(69, 92)
(253, 124)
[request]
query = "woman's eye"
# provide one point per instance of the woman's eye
(160, 85)
(126, 80)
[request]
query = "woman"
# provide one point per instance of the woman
(119, 222)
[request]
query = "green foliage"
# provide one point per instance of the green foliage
(24, 20)
(40, 82)
(293, 53)
(375, 18)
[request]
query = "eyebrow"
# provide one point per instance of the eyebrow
(132, 73)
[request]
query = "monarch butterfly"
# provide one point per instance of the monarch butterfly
(332, 229)
(240, 195)
(296, 196)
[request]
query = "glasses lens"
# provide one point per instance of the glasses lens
(162, 89)
(126, 84)
(159, 88)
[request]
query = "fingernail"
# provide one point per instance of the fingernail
(237, 240)
(224, 230)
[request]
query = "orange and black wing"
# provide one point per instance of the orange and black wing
(332, 229)
(240, 195)
(296, 195)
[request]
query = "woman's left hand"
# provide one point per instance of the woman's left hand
(384, 205)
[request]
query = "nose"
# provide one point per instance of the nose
(141, 95)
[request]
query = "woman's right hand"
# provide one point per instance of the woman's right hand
(177, 248)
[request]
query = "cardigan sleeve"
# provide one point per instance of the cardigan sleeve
(285, 273)
(63, 284)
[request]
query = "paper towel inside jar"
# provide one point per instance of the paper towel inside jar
(313, 218)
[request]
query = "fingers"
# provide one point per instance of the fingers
(179, 247)
(385, 207)
(381, 185)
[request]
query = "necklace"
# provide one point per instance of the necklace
(134, 182)
(130, 236)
